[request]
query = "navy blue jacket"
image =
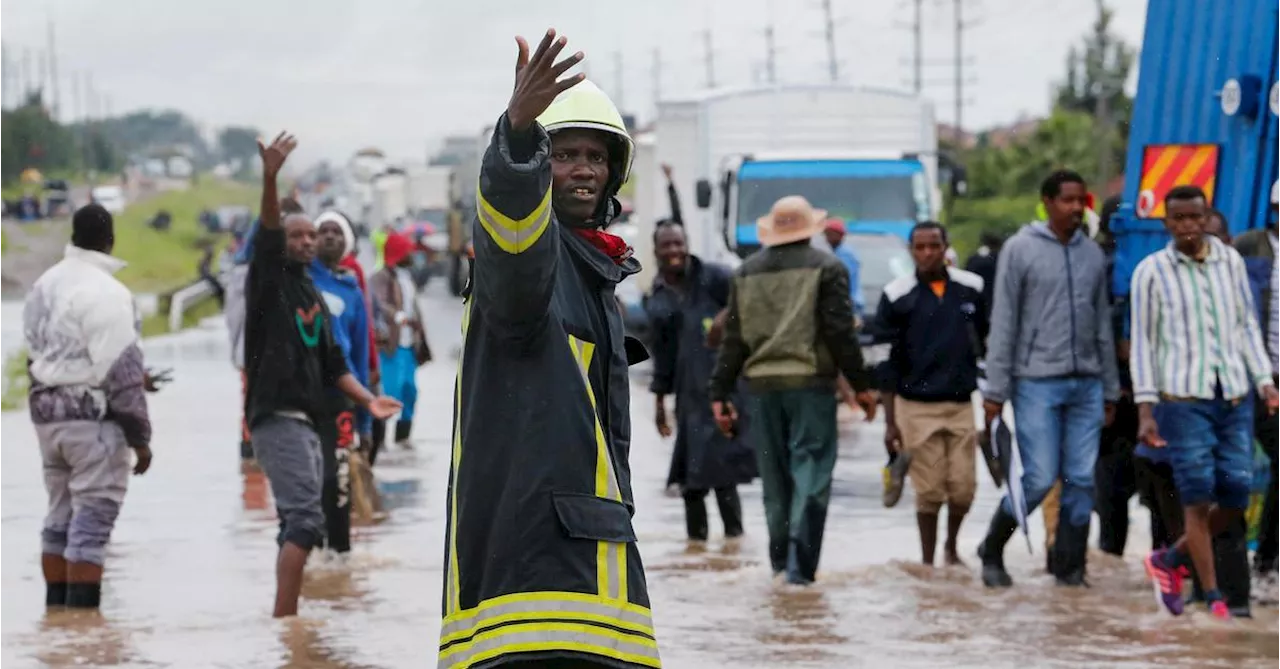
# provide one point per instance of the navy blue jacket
(934, 343)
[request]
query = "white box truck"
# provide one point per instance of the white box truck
(867, 156)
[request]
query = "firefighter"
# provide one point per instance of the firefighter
(541, 565)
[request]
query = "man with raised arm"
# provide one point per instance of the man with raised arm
(291, 359)
(541, 565)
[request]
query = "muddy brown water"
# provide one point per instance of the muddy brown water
(189, 574)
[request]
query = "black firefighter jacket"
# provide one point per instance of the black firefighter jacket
(540, 556)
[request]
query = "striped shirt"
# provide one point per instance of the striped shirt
(1194, 326)
(1273, 309)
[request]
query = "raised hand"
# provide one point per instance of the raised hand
(383, 407)
(538, 79)
(274, 155)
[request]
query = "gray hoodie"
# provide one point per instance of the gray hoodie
(1051, 316)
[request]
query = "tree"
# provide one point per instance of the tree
(29, 137)
(1096, 74)
(238, 142)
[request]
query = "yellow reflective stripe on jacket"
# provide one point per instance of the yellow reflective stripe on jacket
(546, 606)
(514, 236)
(452, 602)
(611, 558)
(532, 637)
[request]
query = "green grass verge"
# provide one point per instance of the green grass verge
(163, 260)
(16, 382)
(158, 323)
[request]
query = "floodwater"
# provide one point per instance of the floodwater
(190, 568)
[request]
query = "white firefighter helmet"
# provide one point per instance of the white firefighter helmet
(587, 107)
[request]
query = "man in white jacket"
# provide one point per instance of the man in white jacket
(88, 404)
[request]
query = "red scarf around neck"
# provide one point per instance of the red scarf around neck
(611, 245)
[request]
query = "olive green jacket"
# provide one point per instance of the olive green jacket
(790, 324)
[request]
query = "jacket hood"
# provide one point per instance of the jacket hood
(321, 272)
(1040, 229)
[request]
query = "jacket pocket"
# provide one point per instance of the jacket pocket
(593, 518)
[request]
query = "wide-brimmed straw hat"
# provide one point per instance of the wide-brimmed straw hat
(792, 219)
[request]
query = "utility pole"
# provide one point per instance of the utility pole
(959, 65)
(6, 78)
(771, 56)
(76, 109)
(832, 66)
(918, 60)
(617, 78)
(1102, 96)
(42, 77)
(657, 77)
(709, 57)
(54, 93)
(26, 75)
(90, 98)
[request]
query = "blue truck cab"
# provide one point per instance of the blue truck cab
(1205, 114)
(871, 196)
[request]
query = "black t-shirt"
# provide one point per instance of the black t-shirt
(290, 356)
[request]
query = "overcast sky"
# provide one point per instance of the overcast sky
(400, 74)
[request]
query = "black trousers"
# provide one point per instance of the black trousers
(695, 512)
(379, 436)
(1266, 427)
(1114, 478)
(1115, 483)
(337, 437)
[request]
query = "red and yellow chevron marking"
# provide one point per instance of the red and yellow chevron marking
(1167, 165)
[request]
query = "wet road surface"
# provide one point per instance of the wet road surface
(190, 568)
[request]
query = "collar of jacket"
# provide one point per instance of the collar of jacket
(107, 263)
(597, 263)
(1042, 229)
(342, 274)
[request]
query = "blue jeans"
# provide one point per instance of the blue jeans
(1058, 424)
(398, 372)
(1210, 449)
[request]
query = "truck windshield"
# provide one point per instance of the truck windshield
(849, 198)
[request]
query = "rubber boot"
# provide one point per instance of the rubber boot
(991, 550)
(55, 594)
(1071, 554)
(403, 428)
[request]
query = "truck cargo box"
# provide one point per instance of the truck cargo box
(1205, 114)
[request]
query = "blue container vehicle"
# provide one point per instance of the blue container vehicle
(1205, 114)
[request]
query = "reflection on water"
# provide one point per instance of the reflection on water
(69, 638)
(190, 570)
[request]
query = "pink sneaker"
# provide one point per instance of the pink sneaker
(1218, 609)
(1166, 582)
